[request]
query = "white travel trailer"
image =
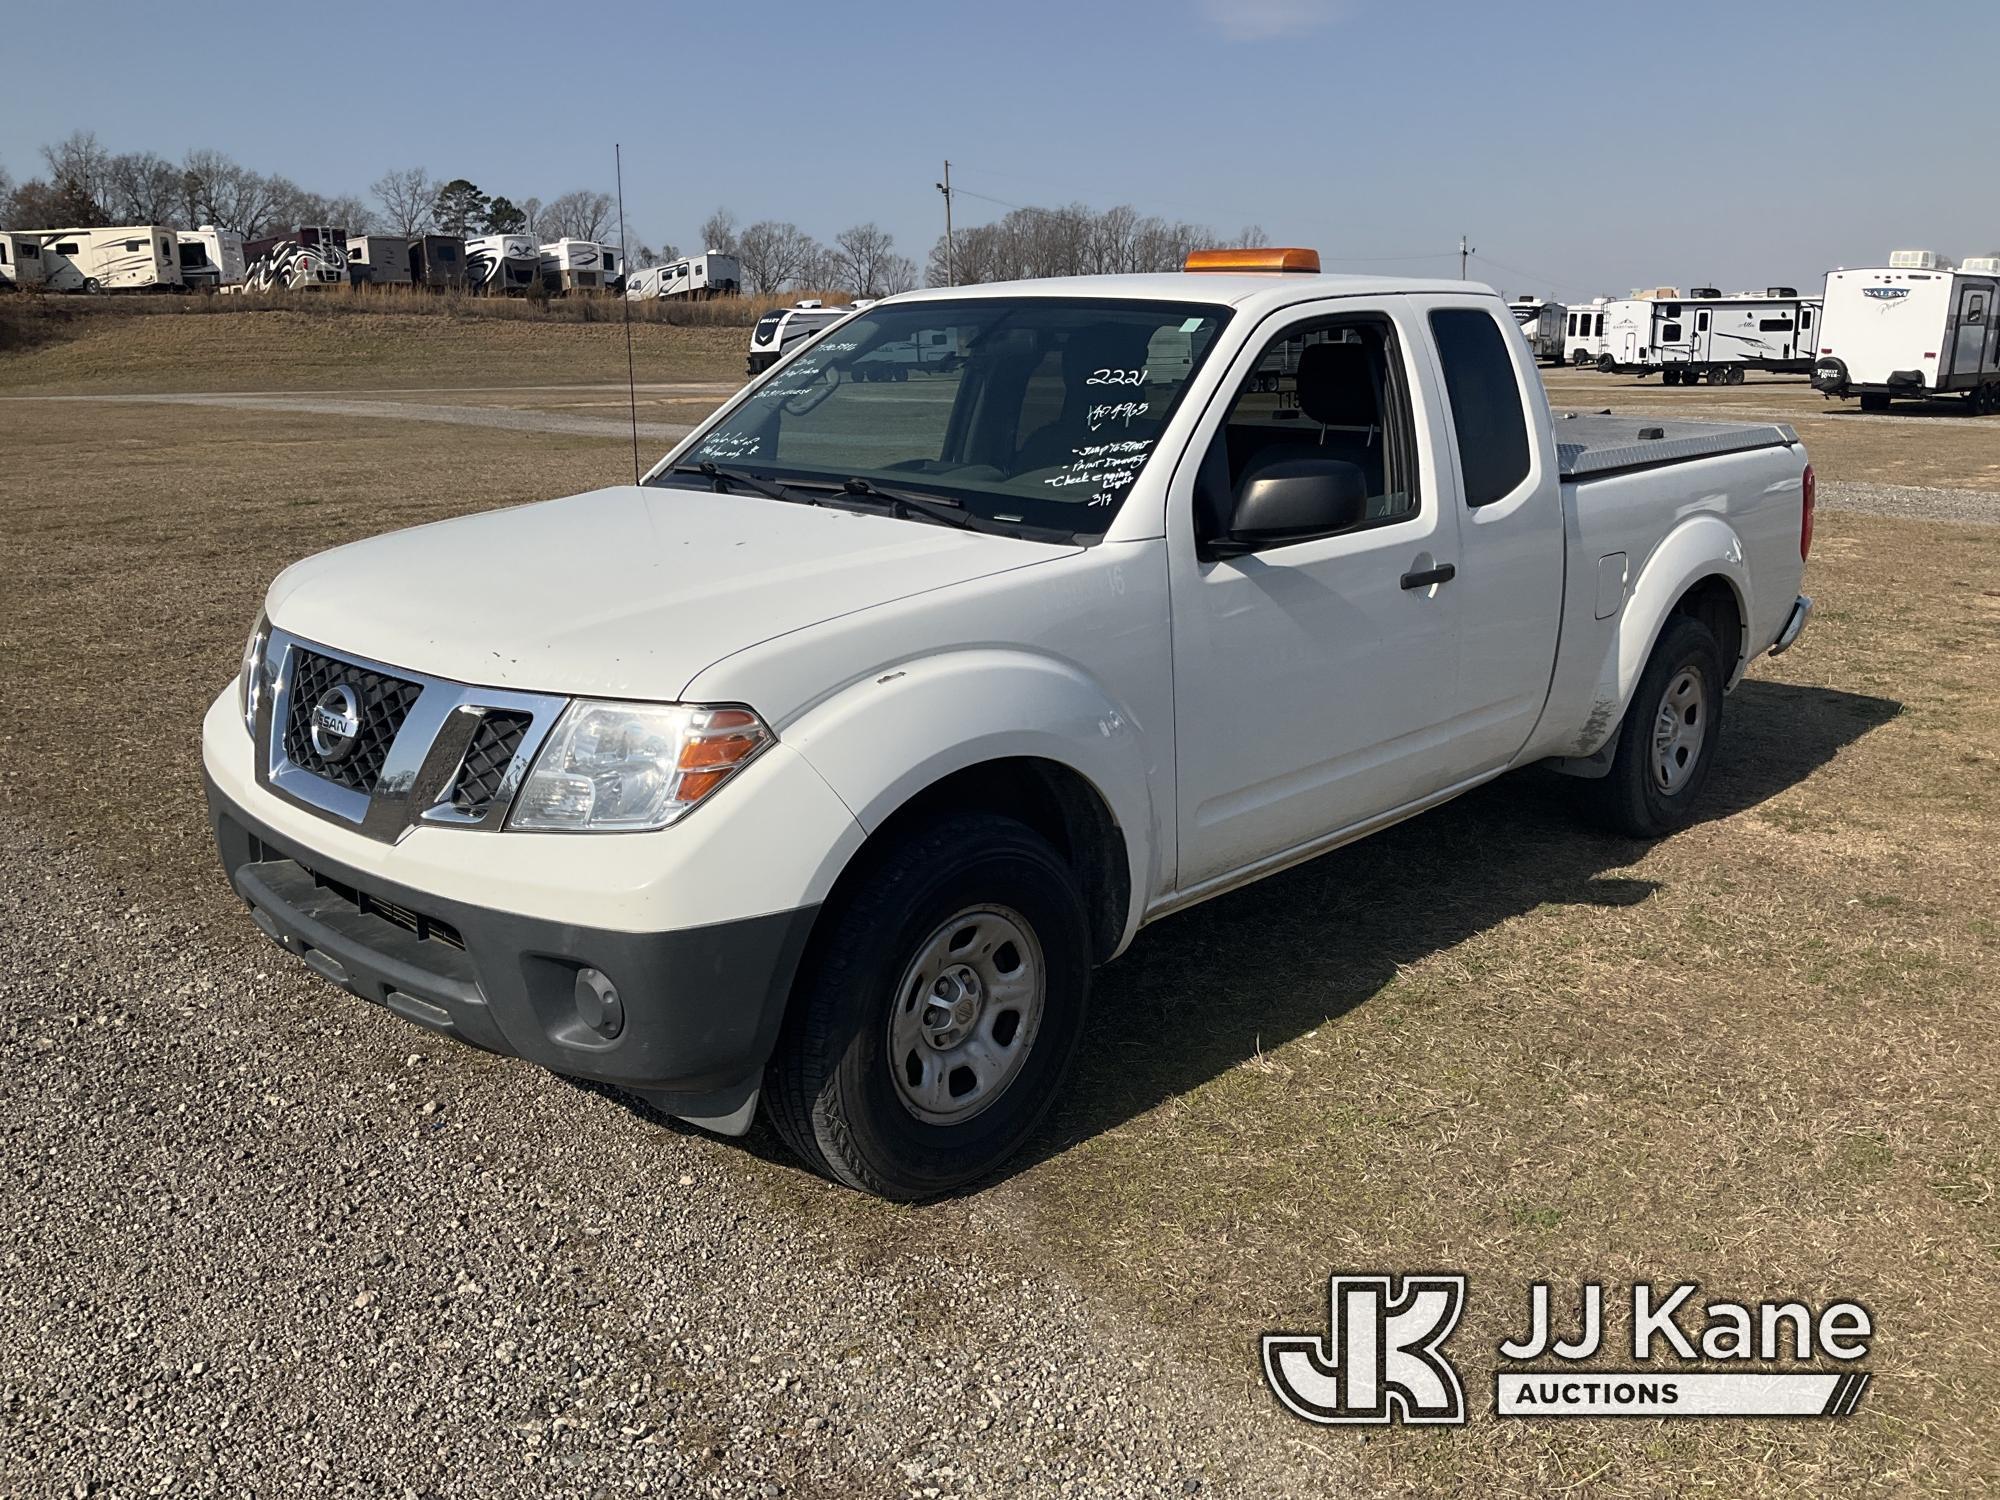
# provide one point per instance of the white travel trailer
(572, 266)
(778, 330)
(378, 259)
(1712, 336)
(125, 258)
(20, 260)
(503, 263)
(211, 258)
(1583, 334)
(1919, 328)
(710, 275)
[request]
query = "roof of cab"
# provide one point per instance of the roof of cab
(1231, 288)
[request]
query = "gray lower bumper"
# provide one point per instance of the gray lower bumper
(684, 1019)
(1795, 624)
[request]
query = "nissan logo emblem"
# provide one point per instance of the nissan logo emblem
(336, 723)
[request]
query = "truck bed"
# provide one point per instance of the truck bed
(1595, 444)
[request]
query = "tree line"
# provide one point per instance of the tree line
(83, 184)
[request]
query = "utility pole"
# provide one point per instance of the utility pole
(950, 271)
(1464, 250)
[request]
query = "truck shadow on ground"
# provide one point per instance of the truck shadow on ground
(1202, 992)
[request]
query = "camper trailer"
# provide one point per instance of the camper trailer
(612, 268)
(1707, 335)
(776, 332)
(711, 275)
(20, 260)
(572, 266)
(1921, 327)
(211, 258)
(311, 257)
(1546, 337)
(1583, 334)
(503, 263)
(437, 261)
(378, 260)
(126, 258)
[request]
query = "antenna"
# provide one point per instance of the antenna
(625, 259)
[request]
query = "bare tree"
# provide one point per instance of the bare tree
(80, 161)
(772, 253)
(581, 215)
(406, 197)
(898, 274)
(222, 192)
(6, 197)
(821, 268)
(718, 232)
(865, 250)
(141, 188)
(1069, 241)
(531, 217)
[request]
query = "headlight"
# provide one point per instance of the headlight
(250, 677)
(628, 767)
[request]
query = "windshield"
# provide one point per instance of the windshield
(1038, 412)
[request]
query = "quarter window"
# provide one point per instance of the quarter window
(1486, 412)
(1774, 325)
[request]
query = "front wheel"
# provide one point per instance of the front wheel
(1666, 745)
(939, 1009)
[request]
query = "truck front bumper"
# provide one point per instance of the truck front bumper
(685, 1019)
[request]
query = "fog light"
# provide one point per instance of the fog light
(597, 1003)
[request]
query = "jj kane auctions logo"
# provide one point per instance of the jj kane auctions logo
(1382, 1358)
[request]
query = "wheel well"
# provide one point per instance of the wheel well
(1713, 602)
(1057, 803)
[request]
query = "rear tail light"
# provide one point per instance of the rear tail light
(1811, 487)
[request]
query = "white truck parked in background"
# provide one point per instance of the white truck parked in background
(820, 768)
(1920, 328)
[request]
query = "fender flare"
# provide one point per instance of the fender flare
(959, 709)
(1701, 547)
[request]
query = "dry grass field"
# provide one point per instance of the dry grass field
(1759, 1055)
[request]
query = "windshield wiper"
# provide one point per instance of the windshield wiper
(717, 476)
(933, 507)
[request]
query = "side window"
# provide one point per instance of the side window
(1599, 330)
(1329, 391)
(1975, 308)
(1670, 333)
(1774, 325)
(1701, 321)
(1486, 412)
(1805, 317)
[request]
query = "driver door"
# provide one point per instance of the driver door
(1312, 679)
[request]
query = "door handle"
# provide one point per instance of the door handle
(1423, 578)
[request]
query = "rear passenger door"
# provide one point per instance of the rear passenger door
(1504, 485)
(1313, 678)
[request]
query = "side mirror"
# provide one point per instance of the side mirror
(1294, 500)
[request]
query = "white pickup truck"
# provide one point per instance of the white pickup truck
(822, 767)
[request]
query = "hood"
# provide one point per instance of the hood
(625, 593)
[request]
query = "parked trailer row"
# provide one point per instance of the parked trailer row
(1710, 336)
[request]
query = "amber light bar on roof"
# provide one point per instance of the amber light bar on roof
(1268, 258)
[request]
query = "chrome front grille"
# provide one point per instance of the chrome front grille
(421, 749)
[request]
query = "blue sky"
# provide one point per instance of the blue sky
(1585, 148)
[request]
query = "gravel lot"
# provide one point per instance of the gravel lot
(1914, 502)
(263, 1239)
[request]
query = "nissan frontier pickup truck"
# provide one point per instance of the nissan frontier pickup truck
(815, 773)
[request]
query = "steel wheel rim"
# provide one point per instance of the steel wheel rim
(965, 1014)
(1680, 728)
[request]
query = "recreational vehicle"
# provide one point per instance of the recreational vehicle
(292, 263)
(437, 260)
(1707, 335)
(572, 266)
(509, 263)
(1583, 334)
(1922, 327)
(378, 260)
(710, 275)
(612, 267)
(211, 258)
(20, 260)
(127, 258)
(777, 331)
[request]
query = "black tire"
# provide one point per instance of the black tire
(1874, 401)
(1581, 358)
(1670, 377)
(1735, 374)
(1635, 798)
(829, 1089)
(1607, 364)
